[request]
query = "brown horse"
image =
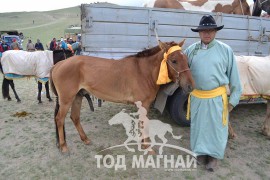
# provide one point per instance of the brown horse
(127, 80)
(229, 6)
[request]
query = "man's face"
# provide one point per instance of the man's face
(207, 35)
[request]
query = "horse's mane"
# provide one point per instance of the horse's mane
(151, 51)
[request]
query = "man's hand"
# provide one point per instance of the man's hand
(230, 107)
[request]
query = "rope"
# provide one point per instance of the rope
(219, 14)
(157, 38)
(241, 7)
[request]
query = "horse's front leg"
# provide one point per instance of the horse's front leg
(75, 116)
(11, 83)
(266, 124)
(48, 91)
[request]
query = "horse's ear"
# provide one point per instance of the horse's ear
(163, 46)
(182, 42)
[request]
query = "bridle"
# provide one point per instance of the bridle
(177, 72)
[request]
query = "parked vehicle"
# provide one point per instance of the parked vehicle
(8, 36)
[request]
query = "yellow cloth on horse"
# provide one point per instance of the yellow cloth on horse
(163, 76)
(220, 91)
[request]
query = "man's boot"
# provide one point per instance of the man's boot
(212, 164)
(202, 159)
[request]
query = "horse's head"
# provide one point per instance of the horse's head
(177, 65)
(61, 54)
(264, 5)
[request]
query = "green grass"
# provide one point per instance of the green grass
(47, 24)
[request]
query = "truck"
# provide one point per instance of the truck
(113, 32)
(9, 35)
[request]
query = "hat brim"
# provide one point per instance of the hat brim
(207, 27)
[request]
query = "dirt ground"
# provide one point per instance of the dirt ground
(28, 145)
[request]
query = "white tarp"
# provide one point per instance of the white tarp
(20, 62)
(255, 75)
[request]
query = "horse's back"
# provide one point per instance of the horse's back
(20, 62)
(254, 73)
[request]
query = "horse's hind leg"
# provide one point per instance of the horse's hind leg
(266, 124)
(59, 121)
(75, 116)
(39, 92)
(5, 89)
(11, 83)
(48, 91)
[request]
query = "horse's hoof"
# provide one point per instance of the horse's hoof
(87, 142)
(19, 101)
(50, 99)
(64, 150)
(266, 131)
(39, 102)
(9, 99)
(233, 136)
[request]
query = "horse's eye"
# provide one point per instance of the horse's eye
(174, 61)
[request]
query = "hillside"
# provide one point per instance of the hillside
(43, 25)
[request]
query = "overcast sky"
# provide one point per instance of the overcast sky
(47, 5)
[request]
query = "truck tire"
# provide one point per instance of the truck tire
(177, 104)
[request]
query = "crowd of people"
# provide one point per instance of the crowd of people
(4, 46)
(61, 44)
(38, 46)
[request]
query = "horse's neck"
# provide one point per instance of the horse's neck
(153, 64)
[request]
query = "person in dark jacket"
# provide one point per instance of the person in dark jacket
(53, 44)
(39, 45)
(4, 46)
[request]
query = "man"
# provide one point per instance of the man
(14, 45)
(63, 43)
(30, 46)
(4, 46)
(53, 44)
(39, 46)
(213, 66)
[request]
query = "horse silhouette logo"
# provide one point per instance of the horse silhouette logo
(141, 128)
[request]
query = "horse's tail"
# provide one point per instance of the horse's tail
(5, 88)
(57, 106)
(175, 137)
(52, 84)
(1, 68)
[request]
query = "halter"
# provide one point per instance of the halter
(172, 49)
(163, 76)
(178, 72)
